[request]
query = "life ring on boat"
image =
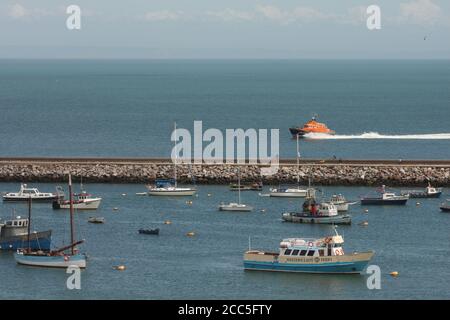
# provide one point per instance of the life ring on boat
(310, 244)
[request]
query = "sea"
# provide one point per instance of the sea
(381, 109)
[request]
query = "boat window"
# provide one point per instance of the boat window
(303, 252)
(311, 253)
(287, 252)
(321, 252)
(295, 252)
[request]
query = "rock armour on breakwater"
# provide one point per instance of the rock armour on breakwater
(321, 174)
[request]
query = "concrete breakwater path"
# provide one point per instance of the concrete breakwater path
(146, 170)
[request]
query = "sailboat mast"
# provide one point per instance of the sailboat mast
(29, 223)
(71, 214)
(239, 185)
(298, 163)
(176, 155)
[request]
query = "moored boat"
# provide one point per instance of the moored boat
(323, 213)
(169, 187)
(445, 207)
(149, 231)
(312, 126)
(233, 206)
(342, 205)
(96, 220)
(83, 201)
(14, 235)
(309, 255)
(428, 192)
(385, 198)
(58, 258)
(257, 186)
(25, 193)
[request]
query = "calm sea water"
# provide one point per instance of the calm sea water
(412, 240)
(127, 108)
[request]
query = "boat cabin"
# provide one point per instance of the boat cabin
(325, 247)
(13, 227)
(164, 183)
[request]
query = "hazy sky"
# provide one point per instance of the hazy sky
(225, 29)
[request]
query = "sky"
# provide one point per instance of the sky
(231, 29)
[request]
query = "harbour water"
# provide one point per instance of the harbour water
(119, 108)
(411, 239)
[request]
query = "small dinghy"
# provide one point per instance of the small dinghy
(445, 207)
(149, 231)
(96, 220)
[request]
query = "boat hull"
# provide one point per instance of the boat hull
(25, 199)
(38, 241)
(339, 219)
(425, 195)
(85, 205)
(445, 208)
(171, 192)
(301, 133)
(383, 202)
(346, 264)
(236, 209)
(299, 194)
(78, 260)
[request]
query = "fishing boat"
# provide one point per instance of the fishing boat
(309, 255)
(445, 207)
(149, 231)
(429, 192)
(342, 205)
(58, 258)
(292, 192)
(169, 187)
(257, 186)
(385, 198)
(82, 201)
(25, 193)
(233, 206)
(14, 235)
(312, 126)
(320, 213)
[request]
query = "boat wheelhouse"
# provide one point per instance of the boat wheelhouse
(309, 255)
(26, 193)
(342, 205)
(14, 235)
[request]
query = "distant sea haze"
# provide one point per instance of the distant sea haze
(381, 109)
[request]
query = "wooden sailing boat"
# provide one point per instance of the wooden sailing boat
(169, 187)
(58, 258)
(297, 192)
(233, 206)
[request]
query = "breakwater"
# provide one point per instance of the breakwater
(321, 172)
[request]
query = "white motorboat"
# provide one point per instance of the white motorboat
(26, 193)
(340, 202)
(83, 201)
(233, 206)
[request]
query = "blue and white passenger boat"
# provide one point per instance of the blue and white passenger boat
(325, 255)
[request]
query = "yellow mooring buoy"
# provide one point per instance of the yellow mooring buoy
(364, 223)
(394, 273)
(190, 234)
(167, 222)
(120, 268)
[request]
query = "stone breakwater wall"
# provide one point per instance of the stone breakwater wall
(147, 172)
